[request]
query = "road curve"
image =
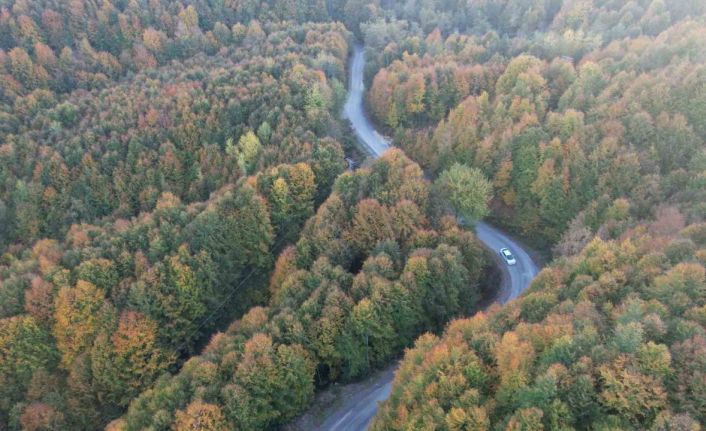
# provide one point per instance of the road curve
(353, 110)
(516, 278)
(357, 410)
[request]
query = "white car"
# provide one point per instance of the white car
(509, 258)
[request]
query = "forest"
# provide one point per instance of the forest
(563, 128)
(610, 339)
(369, 273)
(143, 208)
(587, 117)
(182, 246)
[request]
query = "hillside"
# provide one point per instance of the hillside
(588, 119)
(370, 272)
(141, 215)
(182, 247)
(612, 338)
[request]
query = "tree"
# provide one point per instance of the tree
(11, 291)
(100, 272)
(371, 225)
(326, 328)
(327, 164)
(634, 395)
(290, 191)
(247, 151)
(154, 40)
(439, 283)
(200, 416)
(317, 101)
(526, 420)
(39, 301)
(414, 97)
(374, 332)
(25, 348)
(174, 294)
(467, 190)
(80, 316)
(264, 132)
(273, 383)
(125, 362)
(42, 417)
(236, 232)
(188, 22)
(22, 67)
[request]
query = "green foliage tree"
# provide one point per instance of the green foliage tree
(247, 151)
(467, 190)
(174, 295)
(272, 384)
(25, 348)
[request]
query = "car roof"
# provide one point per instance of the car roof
(506, 251)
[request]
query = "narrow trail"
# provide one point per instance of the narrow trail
(360, 403)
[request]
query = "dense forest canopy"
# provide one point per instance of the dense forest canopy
(370, 272)
(564, 117)
(588, 118)
(141, 214)
(169, 169)
(610, 339)
(177, 128)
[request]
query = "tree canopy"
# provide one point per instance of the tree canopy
(368, 274)
(180, 246)
(142, 206)
(467, 190)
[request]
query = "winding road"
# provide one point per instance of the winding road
(358, 408)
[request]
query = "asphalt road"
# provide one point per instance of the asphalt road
(359, 408)
(516, 278)
(354, 111)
